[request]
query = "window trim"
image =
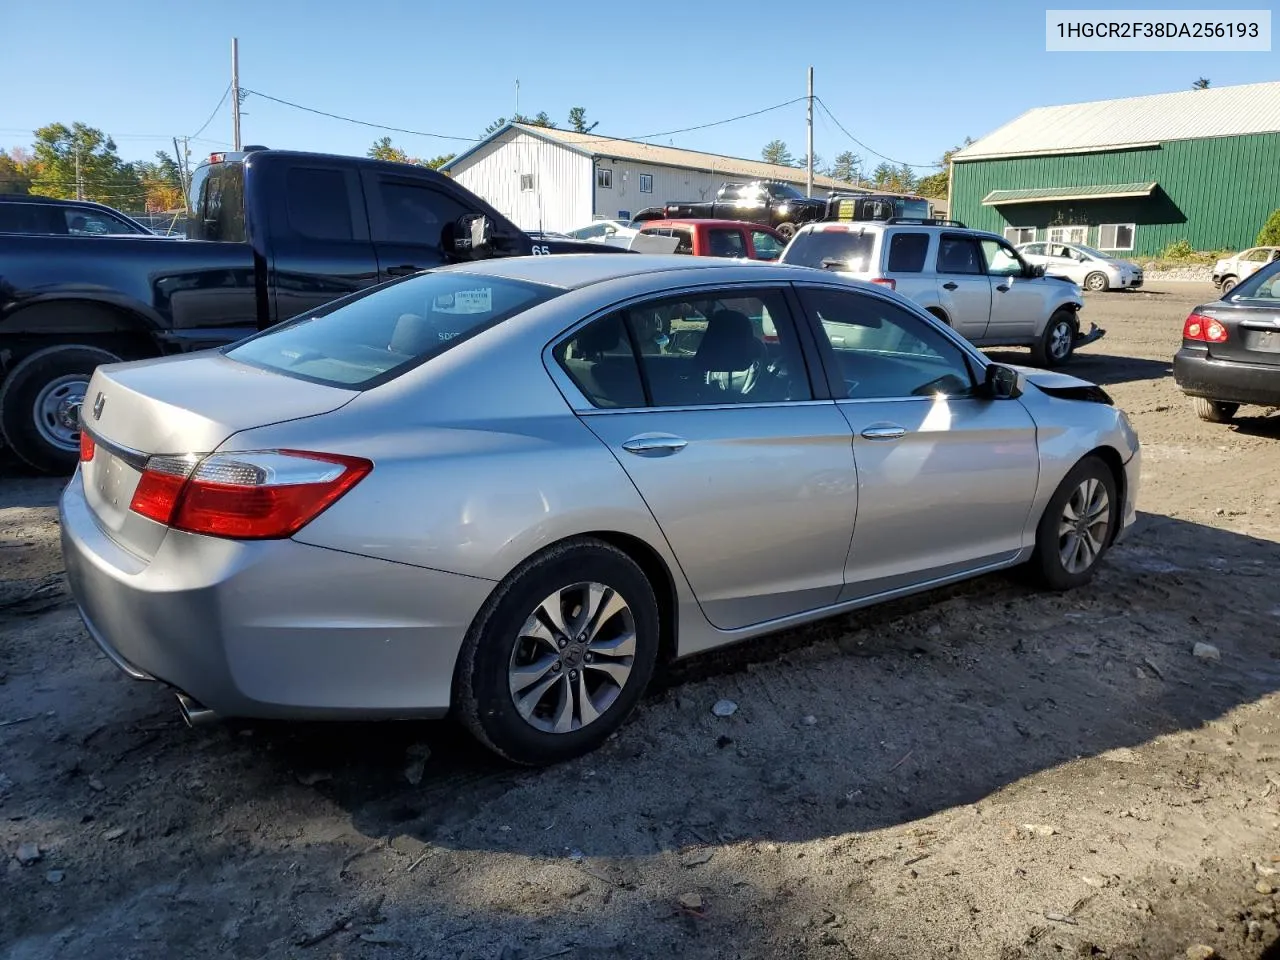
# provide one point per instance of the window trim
(1049, 238)
(1018, 243)
(975, 361)
(643, 178)
(815, 370)
(1133, 235)
(605, 173)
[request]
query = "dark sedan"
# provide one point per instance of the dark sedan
(1231, 349)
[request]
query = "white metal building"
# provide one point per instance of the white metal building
(549, 179)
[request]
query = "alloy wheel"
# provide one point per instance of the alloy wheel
(1060, 340)
(1082, 529)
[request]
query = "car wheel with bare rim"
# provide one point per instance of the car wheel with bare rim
(560, 654)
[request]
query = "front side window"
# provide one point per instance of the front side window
(884, 352)
(90, 223)
(377, 337)
(907, 252)
(317, 204)
(960, 256)
(1001, 260)
(415, 214)
(726, 243)
(729, 347)
(767, 246)
(604, 178)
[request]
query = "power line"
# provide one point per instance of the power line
(903, 163)
(363, 123)
(221, 101)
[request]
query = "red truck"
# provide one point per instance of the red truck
(735, 239)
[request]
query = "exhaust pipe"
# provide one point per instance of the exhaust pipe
(195, 714)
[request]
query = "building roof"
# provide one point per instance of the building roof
(1134, 121)
(1109, 191)
(593, 145)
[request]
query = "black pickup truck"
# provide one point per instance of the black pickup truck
(272, 234)
(775, 204)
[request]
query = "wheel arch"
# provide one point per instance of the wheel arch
(938, 312)
(1111, 457)
(89, 320)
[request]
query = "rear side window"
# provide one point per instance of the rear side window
(377, 337)
(222, 204)
(907, 252)
(600, 362)
(726, 243)
(31, 218)
(318, 203)
(832, 250)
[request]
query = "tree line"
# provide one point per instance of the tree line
(66, 161)
(849, 168)
(384, 149)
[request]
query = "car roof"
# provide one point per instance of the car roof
(851, 225)
(704, 221)
(53, 201)
(571, 271)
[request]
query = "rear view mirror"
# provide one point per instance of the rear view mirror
(1001, 382)
(473, 235)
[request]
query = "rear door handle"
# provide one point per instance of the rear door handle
(402, 271)
(655, 445)
(949, 285)
(884, 431)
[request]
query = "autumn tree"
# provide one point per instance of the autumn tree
(435, 163)
(103, 176)
(775, 151)
(384, 149)
(938, 184)
(578, 120)
(161, 182)
(15, 171)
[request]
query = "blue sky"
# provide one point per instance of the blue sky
(908, 80)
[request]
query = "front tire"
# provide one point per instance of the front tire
(1214, 411)
(1229, 284)
(786, 230)
(40, 404)
(560, 654)
(1058, 342)
(1077, 527)
(1097, 282)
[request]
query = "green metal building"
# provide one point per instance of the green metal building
(1130, 176)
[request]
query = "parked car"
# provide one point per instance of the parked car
(488, 489)
(778, 205)
(1230, 352)
(1231, 270)
(971, 280)
(1091, 269)
(20, 213)
(719, 238)
(605, 230)
(274, 234)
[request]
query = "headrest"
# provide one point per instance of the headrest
(729, 344)
(599, 337)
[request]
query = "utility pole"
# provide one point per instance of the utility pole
(79, 182)
(517, 113)
(180, 156)
(809, 177)
(235, 92)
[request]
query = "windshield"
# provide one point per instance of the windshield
(1097, 254)
(831, 250)
(379, 335)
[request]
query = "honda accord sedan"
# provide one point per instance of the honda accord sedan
(509, 489)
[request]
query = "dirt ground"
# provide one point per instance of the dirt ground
(987, 772)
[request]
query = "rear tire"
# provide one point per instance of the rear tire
(1229, 284)
(537, 682)
(1058, 342)
(1097, 282)
(786, 230)
(1077, 527)
(1214, 411)
(40, 404)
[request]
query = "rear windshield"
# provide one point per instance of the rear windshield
(377, 337)
(832, 250)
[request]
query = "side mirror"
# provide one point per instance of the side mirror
(1001, 382)
(473, 235)
(1037, 269)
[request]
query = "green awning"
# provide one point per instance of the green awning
(1109, 191)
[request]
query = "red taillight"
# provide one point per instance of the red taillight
(217, 157)
(87, 447)
(257, 495)
(886, 282)
(1204, 329)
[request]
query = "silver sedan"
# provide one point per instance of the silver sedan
(511, 488)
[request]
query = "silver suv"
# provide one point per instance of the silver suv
(972, 280)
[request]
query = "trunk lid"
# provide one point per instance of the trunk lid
(1253, 334)
(172, 406)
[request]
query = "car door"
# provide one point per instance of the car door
(750, 477)
(1059, 262)
(1017, 299)
(964, 289)
(946, 477)
(410, 222)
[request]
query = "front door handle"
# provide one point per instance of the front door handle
(402, 271)
(884, 431)
(655, 445)
(1002, 289)
(949, 285)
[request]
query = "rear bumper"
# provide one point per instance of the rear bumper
(271, 628)
(1227, 381)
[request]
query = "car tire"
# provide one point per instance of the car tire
(1228, 284)
(1085, 502)
(40, 401)
(1058, 342)
(786, 230)
(521, 660)
(1097, 282)
(1214, 411)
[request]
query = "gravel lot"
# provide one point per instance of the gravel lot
(983, 773)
